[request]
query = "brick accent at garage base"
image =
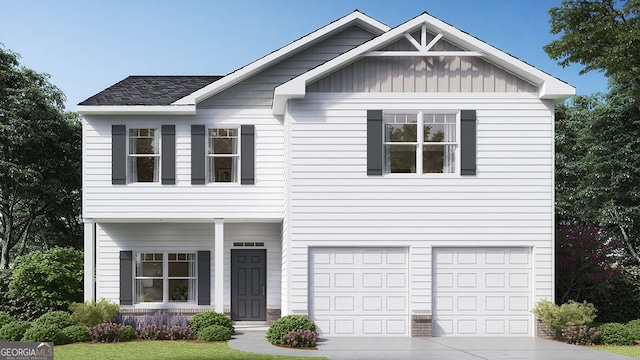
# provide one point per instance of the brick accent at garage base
(542, 331)
(421, 326)
(273, 315)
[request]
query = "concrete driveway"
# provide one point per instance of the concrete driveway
(443, 348)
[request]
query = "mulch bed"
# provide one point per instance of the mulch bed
(296, 348)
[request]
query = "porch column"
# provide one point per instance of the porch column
(89, 259)
(219, 265)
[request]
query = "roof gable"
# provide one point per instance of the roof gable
(549, 87)
(419, 74)
(355, 18)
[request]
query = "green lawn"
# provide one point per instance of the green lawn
(161, 350)
(632, 351)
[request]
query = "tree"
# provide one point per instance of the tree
(610, 186)
(601, 35)
(53, 278)
(40, 155)
(585, 262)
(598, 165)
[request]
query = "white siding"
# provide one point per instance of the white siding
(332, 202)
(264, 200)
(146, 237)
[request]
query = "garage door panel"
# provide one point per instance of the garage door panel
(359, 291)
(482, 291)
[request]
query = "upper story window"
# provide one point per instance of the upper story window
(420, 143)
(144, 155)
(223, 155)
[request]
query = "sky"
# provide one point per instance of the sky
(86, 46)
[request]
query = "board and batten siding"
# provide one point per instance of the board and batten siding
(263, 200)
(183, 237)
(257, 91)
(332, 201)
(422, 74)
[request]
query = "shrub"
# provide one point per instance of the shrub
(44, 333)
(53, 278)
(20, 305)
(76, 333)
(624, 303)
(128, 334)
(105, 333)
(60, 319)
(152, 332)
(181, 333)
(557, 317)
(5, 318)
(94, 313)
(14, 331)
(301, 338)
(281, 327)
(214, 333)
(209, 318)
(580, 335)
(615, 334)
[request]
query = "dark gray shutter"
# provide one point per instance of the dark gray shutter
(126, 278)
(198, 142)
(247, 154)
(118, 154)
(374, 142)
(204, 277)
(168, 154)
(468, 142)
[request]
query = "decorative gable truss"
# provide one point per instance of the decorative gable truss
(421, 49)
(422, 62)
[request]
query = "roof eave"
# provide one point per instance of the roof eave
(549, 86)
(355, 18)
(136, 109)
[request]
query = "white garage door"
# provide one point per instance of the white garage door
(359, 291)
(482, 291)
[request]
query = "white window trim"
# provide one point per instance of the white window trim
(237, 156)
(420, 144)
(130, 181)
(165, 303)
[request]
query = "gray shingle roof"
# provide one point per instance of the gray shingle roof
(149, 90)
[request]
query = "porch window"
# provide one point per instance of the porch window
(165, 277)
(223, 155)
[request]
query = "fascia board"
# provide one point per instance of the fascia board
(136, 110)
(355, 18)
(550, 87)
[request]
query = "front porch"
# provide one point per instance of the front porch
(215, 277)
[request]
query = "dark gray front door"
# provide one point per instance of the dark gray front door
(249, 285)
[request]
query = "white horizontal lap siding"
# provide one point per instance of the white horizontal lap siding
(102, 200)
(332, 202)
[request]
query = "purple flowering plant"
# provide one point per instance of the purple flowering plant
(107, 332)
(580, 335)
(301, 338)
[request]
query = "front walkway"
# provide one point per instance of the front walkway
(443, 348)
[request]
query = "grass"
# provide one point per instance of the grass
(631, 351)
(160, 350)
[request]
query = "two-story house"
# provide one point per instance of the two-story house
(381, 181)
